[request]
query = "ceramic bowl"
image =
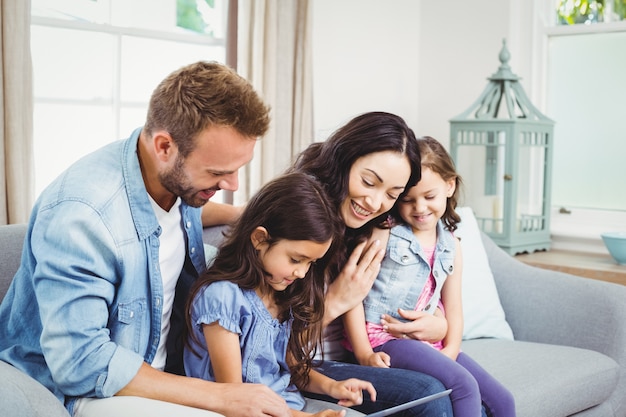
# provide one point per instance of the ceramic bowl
(615, 242)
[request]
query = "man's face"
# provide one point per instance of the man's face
(212, 166)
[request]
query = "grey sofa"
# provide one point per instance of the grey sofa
(569, 356)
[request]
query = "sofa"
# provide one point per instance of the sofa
(567, 356)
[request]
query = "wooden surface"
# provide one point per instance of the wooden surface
(590, 265)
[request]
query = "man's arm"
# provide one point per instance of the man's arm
(232, 400)
(214, 214)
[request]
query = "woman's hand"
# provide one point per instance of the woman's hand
(350, 391)
(421, 326)
(354, 281)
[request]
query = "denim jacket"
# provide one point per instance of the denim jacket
(84, 309)
(404, 272)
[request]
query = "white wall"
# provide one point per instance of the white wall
(365, 55)
(424, 60)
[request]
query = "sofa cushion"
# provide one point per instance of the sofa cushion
(547, 380)
(483, 315)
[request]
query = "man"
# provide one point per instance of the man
(115, 238)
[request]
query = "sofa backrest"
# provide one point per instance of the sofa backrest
(11, 242)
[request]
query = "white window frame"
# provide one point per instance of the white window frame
(572, 228)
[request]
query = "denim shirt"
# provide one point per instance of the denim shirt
(83, 311)
(263, 339)
(404, 272)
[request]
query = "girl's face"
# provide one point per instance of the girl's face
(375, 183)
(286, 260)
(424, 204)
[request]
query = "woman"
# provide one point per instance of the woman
(365, 166)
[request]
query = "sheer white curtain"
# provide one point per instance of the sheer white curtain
(16, 113)
(274, 54)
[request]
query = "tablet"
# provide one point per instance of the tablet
(401, 407)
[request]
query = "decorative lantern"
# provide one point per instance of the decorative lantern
(502, 146)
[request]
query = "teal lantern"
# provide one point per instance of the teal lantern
(502, 146)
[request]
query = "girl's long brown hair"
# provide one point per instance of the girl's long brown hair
(292, 207)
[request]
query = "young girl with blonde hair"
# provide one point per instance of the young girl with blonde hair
(421, 271)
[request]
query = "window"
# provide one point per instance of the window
(96, 63)
(584, 94)
(574, 12)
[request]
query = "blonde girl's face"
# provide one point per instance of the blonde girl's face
(375, 183)
(425, 203)
(287, 260)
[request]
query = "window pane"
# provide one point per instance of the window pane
(570, 12)
(130, 119)
(205, 17)
(145, 62)
(64, 133)
(86, 10)
(74, 64)
(586, 99)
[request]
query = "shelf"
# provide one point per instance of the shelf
(590, 265)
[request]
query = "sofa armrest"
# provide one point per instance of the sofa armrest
(21, 395)
(553, 307)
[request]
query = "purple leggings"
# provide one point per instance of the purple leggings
(471, 384)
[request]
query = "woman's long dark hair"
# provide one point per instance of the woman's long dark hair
(291, 207)
(330, 162)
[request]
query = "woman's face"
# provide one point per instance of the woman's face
(376, 180)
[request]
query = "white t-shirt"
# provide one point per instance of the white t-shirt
(171, 261)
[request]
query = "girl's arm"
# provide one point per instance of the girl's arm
(223, 348)
(419, 325)
(349, 392)
(451, 299)
(354, 324)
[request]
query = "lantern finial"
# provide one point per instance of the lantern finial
(504, 55)
(504, 72)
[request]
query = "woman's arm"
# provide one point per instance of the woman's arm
(223, 348)
(452, 302)
(354, 324)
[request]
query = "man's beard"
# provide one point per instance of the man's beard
(175, 181)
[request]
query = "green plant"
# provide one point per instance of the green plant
(571, 12)
(188, 16)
